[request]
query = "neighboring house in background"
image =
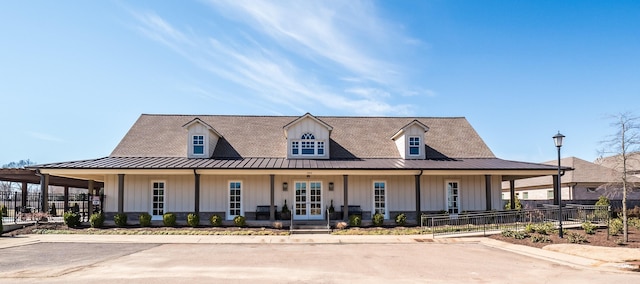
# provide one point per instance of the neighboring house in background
(230, 164)
(588, 181)
(615, 162)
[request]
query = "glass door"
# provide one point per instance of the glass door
(308, 200)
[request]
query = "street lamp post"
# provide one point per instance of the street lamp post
(557, 139)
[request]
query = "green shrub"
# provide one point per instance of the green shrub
(540, 239)
(615, 226)
(529, 228)
(169, 219)
(96, 220)
(634, 222)
(193, 219)
(401, 219)
(145, 220)
(517, 202)
(602, 214)
(545, 228)
(515, 234)
(377, 219)
(239, 220)
(120, 219)
(4, 211)
(355, 220)
(215, 220)
(589, 228)
(71, 219)
(576, 238)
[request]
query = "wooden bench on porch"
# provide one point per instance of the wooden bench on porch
(263, 212)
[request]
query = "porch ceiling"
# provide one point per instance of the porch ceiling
(30, 176)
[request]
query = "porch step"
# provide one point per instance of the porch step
(309, 229)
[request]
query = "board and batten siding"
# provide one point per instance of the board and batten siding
(214, 192)
(472, 192)
(179, 192)
(308, 125)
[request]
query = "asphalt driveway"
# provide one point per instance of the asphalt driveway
(417, 262)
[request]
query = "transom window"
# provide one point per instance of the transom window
(307, 145)
(198, 144)
(414, 146)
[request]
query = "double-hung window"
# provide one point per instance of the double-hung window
(198, 144)
(414, 146)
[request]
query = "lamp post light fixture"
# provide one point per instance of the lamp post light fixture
(557, 139)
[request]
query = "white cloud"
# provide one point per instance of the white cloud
(310, 47)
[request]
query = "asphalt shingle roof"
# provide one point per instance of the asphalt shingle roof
(263, 136)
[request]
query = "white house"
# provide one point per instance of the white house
(231, 164)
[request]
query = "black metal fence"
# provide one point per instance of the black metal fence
(491, 221)
(14, 210)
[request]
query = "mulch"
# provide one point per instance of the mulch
(598, 239)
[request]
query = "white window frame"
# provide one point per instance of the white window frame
(446, 196)
(550, 194)
(409, 142)
(193, 144)
(299, 144)
(373, 193)
(164, 199)
(525, 195)
(229, 215)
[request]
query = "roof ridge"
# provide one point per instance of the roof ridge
(325, 116)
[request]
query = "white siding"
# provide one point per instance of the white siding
(179, 193)
(111, 193)
(402, 149)
(472, 192)
(319, 131)
(210, 140)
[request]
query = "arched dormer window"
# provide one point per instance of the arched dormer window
(307, 146)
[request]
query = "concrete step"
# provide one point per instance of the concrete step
(309, 229)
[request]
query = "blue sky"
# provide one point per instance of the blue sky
(75, 75)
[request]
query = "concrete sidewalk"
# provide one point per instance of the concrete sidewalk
(568, 254)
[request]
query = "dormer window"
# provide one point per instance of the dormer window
(198, 144)
(307, 138)
(307, 145)
(414, 146)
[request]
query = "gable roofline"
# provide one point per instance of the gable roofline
(306, 115)
(198, 120)
(403, 129)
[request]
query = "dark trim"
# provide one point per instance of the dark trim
(487, 188)
(44, 189)
(196, 205)
(25, 194)
(418, 206)
(345, 213)
(512, 194)
(272, 190)
(556, 190)
(66, 199)
(120, 193)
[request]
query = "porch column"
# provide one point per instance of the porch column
(512, 194)
(487, 190)
(272, 190)
(556, 191)
(418, 206)
(25, 194)
(44, 188)
(345, 210)
(66, 199)
(196, 193)
(91, 186)
(120, 193)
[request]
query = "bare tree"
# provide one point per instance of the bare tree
(622, 145)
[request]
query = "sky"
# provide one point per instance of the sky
(76, 75)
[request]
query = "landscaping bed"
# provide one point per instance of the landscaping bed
(599, 238)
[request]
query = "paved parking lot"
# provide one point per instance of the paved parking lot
(285, 263)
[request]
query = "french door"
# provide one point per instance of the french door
(308, 200)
